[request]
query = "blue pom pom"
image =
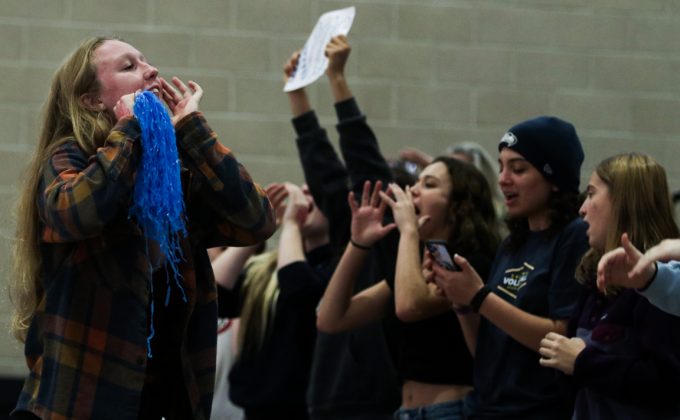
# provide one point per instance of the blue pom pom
(157, 202)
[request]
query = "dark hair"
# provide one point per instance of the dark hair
(471, 210)
(563, 207)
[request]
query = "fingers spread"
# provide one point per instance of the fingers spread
(183, 89)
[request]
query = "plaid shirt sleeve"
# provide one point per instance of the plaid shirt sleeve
(224, 205)
(80, 195)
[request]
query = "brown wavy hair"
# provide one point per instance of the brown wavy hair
(471, 209)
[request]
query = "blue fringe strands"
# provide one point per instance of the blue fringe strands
(157, 202)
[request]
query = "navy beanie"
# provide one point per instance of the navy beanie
(552, 146)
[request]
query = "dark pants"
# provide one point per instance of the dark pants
(274, 413)
(165, 396)
(24, 415)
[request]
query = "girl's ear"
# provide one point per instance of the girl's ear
(91, 101)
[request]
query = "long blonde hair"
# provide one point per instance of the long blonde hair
(640, 205)
(260, 293)
(64, 118)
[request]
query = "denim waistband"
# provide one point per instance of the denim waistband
(448, 410)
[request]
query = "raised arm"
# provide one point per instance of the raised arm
(339, 310)
(664, 290)
(325, 174)
(414, 298)
(666, 250)
(293, 212)
(298, 99)
(416, 156)
(80, 195)
(626, 266)
(229, 264)
(359, 147)
(654, 278)
(226, 206)
(358, 143)
(337, 51)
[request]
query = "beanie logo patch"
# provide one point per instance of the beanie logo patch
(547, 169)
(509, 139)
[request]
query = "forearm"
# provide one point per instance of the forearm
(422, 159)
(525, 328)
(664, 291)
(299, 102)
(334, 307)
(324, 173)
(359, 146)
(291, 247)
(339, 87)
(229, 264)
(81, 194)
(228, 204)
(413, 299)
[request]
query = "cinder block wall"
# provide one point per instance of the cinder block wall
(428, 73)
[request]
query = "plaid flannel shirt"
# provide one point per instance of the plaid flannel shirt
(86, 346)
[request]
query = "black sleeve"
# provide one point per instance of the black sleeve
(364, 161)
(229, 300)
(299, 283)
(359, 146)
(572, 325)
(647, 372)
(326, 177)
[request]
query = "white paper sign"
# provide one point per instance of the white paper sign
(312, 63)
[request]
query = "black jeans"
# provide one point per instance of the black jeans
(166, 396)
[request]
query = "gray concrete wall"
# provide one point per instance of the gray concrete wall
(428, 73)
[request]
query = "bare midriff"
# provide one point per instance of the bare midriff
(417, 394)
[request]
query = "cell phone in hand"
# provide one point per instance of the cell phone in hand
(439, 251)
